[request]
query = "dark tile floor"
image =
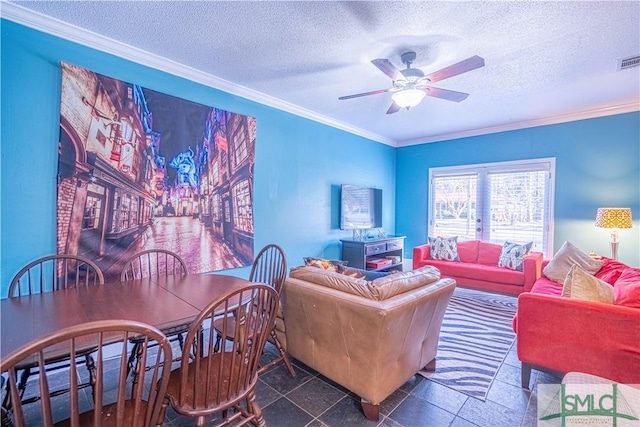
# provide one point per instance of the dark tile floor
(311, 400)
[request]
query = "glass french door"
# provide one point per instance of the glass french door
(496, 202)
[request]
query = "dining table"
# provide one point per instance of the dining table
(166, 302)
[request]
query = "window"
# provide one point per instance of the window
(115, 212)
(494, 202)
(240, 141)
(215, 207)
(243, 210)
(215, 173)
(125, 208)
(92, 209)
(134, 212)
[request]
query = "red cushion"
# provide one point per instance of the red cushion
(547, 287)
(489, 253)
(627, 288)
(479, 272)
(468, 251)
(611, 270)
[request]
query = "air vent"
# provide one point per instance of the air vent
(630, 62)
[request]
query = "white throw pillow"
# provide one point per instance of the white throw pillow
(565, 258)
(513, 255)
(581, 285)
(445, 248)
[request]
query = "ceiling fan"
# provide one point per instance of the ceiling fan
(411, 85)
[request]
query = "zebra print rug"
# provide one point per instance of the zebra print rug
(475, 338)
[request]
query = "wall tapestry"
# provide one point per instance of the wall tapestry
(139, 169)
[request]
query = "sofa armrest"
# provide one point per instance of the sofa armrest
(420, 253)
(564, 334)
(532, 269)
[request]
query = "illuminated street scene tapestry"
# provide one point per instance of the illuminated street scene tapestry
(139, 169)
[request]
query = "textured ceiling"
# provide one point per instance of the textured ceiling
(544, 59)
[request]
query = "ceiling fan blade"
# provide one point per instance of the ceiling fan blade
(357, 95)
(388, 68)
(455, 69)
(449, 95)
(393, 108)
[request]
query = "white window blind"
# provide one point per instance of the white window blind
(496, 202)
(453, 206)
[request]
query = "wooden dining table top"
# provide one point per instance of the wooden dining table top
(163, 302)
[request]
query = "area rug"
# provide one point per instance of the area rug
(475, 338)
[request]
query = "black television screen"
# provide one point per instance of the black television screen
(360, 207)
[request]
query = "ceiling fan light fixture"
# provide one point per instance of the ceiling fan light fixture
(408, 98)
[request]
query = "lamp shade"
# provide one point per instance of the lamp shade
(614, 218)
(408, 97)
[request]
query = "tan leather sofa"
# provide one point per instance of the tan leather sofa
(369, 337)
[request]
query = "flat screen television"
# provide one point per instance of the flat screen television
(360, 207)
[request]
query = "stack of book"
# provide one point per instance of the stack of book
(378, 262)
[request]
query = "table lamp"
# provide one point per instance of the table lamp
(614, 218)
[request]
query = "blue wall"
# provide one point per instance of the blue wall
(298, 167)
(299, 163)
(597, 164)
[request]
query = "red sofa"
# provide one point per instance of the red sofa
(563, 334)
(478, 267)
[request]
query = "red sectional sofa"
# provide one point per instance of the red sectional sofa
(563, 334)
(478, 267)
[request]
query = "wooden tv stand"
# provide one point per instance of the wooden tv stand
(357, 252)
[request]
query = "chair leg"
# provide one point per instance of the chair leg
(181, 341)
(91, 367)
(138, 364)
(201, 341)
(283, 354)
(5, 421)
(255, 409)
(216, 347)
(22, 386)
(162, 413)
(284, 357)
(132, 358)
(6, 402)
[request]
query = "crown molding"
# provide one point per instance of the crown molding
(64, 30)
(551, 120)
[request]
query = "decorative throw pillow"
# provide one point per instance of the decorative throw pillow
(627, 288)
(579, 284)
(324, 264)
(565, 258)
(444, 248)
(513, 255)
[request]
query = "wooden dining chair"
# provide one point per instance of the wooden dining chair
(224, 382)
(114, 403)
(150, 263)
(54, 273)
(269, 267)
(153, 262)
